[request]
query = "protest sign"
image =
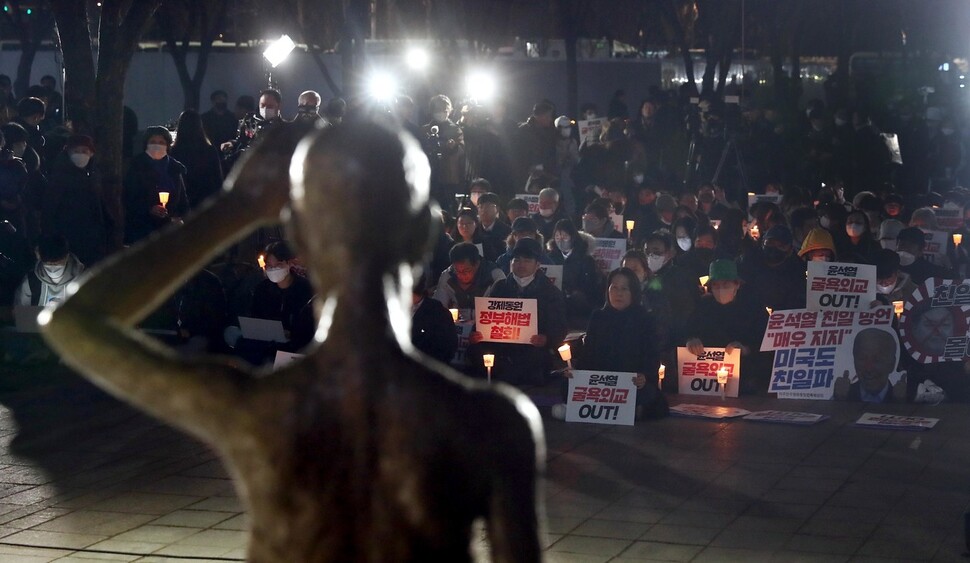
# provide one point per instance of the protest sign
(698, 374)
(754, 198)
(617, 221)
(608, 253)
(892, 144)
(949, 217)
(707, 411)
(602, 397)
(934, 249)
(813, 348)
(590, 129)
(935, 321)
(786, 417)
(513, 321)
(284, 359)
(554, 273)
(840, 286)
(532, 200)
(464, 330)
(896, 422)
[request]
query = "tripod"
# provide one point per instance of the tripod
(731, 145)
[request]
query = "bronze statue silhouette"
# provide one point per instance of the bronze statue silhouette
(362, 451)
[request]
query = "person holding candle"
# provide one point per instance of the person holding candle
(150, 173)
(432, 329)
(727, 317)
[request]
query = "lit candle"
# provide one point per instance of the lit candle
(716, 223)
(703, 279)
(489, 361)
(769, 310)
(454, 315)
(163, 198)
(261, 261)
(660, 375)
(629, 226)
(750, 194)
(722, 378)
(566, 354)
(898, 308)
(755, 231)
(957, 238)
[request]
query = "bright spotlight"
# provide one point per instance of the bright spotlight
(382, 86)
(418, 59)
(278, 50)
(480, 86)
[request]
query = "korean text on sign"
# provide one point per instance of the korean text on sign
(810, 370)
(697, 375)
(513, 321)
(599, 397)
(800, 327)
(840, 286)
(608, 253)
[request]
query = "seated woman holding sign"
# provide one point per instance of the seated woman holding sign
(620, 337)
(728, 318)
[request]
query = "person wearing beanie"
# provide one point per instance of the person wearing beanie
(818, 246)
(774, 273)
(731, 317)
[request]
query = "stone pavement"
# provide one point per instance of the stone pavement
(84, 478)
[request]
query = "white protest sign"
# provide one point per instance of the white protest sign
(754, 198)
(786, 417)
(896, 422)
(934, 249)
(532, 200)
(590, 129)
(284, 359)
(513, 321)
(608, 253)
(698, 374)
(464, 330)
(949, 217)
(602, 397)
(481, 249)
(813, 348)
(707, 411)
(554, 273)
(892, 144)
(840, 286)
(617, 222)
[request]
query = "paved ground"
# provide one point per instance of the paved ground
(83, 477)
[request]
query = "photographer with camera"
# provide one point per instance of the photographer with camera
(445, 146)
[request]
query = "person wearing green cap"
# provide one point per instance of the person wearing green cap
(728, 318)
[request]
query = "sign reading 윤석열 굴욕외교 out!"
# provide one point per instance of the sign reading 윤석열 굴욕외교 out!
(935, 321)
(608, 253)
(697, 375)
(813, 348)
(840, 287)
(602, 397)
(532, 200)
(513, 321)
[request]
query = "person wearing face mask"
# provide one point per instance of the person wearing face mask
(550, 212)
(268, 113)
(892, 284)
(56, 268)
(818, 246)
(283, 296)
(697, 260)
(678, 288)
(219, 123)
(597, 223)
(683, 230)
(909, 245)
(308, 107)
(859, 247)
(774, 274)
(150, 174)
(522, 227)
(730, 317)
(469, 231)
(888, 231)
(72, 205)
(582, 283)
(524, 363)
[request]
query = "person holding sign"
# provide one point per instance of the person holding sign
(619, 337)
(774, 273)
(581, 280)
(874, 355)
(729, 318)
(517, 363)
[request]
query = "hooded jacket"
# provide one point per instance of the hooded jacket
(43, 290)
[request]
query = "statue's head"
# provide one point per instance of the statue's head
(359, 201)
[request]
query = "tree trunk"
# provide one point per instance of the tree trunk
(79, 77)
